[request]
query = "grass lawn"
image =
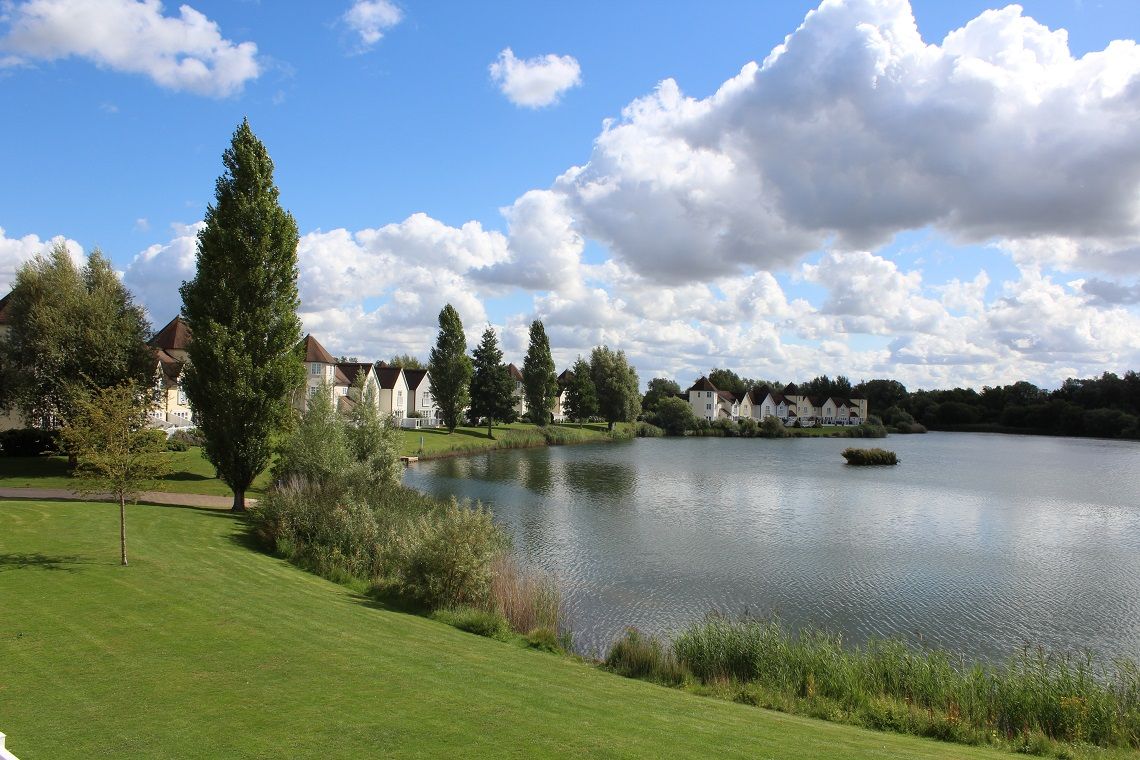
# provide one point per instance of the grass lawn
(205, 648)
(189, 473)
(437, 441)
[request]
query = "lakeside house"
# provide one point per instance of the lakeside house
(171, 347)
(790, 406)
(421, 404)
(558, 411)
(519, 393)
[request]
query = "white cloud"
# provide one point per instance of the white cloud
(371, 18)
(14, 252)
(184, 52)
(854, 129)
(535, 82)
(155, 273)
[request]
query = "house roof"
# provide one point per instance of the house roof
(174, 337)
(515, 374)
(345, 403)
(791, 390)
(388, 376)
(340, 378)
(315, 352)
(565, 378)
(352, 369)
(727, 396)
(838, 402)
(4, 309)
(702, 384)
(171, 367)
(779, 398)
(757, 396)
(413, 377)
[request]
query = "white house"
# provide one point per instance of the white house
(171, 347)
(420, 399)
(519, 393)
(709, 403)
(558, 408)
(393, 391)
(320, 371)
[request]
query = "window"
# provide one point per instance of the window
(316, 369)
(708, 394)
(767, 409)
(400, 398)
(708, 407)
(344, 390)
(182, 397)
(313, 390)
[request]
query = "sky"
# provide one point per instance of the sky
(943, 193)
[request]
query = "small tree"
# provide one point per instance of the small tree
(581, 396)
(318, 450)
(241, 307)
(115, 450)
(373, 439)
(492, 390)
(675, 416)
(450, 368)
(406, 361)
(540, 383)
(659, 388)
(619, 397)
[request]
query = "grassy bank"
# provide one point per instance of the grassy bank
(431, 443)
(206, 648)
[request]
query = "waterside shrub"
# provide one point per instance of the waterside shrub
(866, 457)
(1028, 704)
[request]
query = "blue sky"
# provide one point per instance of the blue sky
(105, 146)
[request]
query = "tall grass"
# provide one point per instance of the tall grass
(526, 597)
(1032, 700)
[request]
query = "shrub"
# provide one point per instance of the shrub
(191, 437)
(635, 655)
(525, 597)
(726, 427)
(771, 427)
(675, 416)
(443, 558)
(173, 444)
(646, 430)
(544, 640)
(749, 428)
(868, 430)
(862, 457)
(28, 442)
(475, 620)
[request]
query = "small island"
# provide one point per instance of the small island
(866, 457)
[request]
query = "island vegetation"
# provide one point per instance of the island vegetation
(865, 457)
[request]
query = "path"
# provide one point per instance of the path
(150, 497)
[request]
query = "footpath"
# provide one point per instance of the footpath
(147, 497)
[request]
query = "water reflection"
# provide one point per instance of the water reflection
(978, 543)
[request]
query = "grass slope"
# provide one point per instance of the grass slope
(467, 440)
(205, 648)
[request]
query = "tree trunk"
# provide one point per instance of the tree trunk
(123, 529)
(239, 501)
(611, 425)
(490, 430)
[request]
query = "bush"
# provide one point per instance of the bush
(868, 430)
(675, 416)
(749, 428)
(444, 558)
(191, 437)
(862, 457)
(474, 620)
(726, 427)
(646, 430)
(638, 656)
(28, 442)
(173, 444)
(545, 640)
(771, 427)
(526, 598)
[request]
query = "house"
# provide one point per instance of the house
(393, 391)
(345, 387)
(519, 392)
(710, 403)
(171, 347)
(558, 408)
(420, 401)
(320, 372)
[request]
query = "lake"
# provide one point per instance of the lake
(977, 543)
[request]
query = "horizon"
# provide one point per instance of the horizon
(866, 188)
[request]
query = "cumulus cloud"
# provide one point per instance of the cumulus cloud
(183, 52)
(14, 252)
(535, 82)
(371, 18)
(856, 128)
(1108, 292)
(155, 273)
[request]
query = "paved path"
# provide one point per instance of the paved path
(151, 497)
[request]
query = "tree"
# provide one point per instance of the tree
(73, 331)
(659, 388)
(450, 368)
(727, 380)
(114, 449)
(540, 382)
(581, 396)
(317, 450)
(883, 393)
(617, 386)
(241, 307)
(492, 389)
(406, 361)
(373, 439)
(675, 416)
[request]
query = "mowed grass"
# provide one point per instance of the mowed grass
(205, 648)
(189, 473)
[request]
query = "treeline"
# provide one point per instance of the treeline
(1104, 407)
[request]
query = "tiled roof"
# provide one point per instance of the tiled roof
(352, 369)
(702, 385)
(791, 390)
(565, 378)
(171, 367)
(345, 403)
(515, 374)
(315, 352)
(413, 377)
(340, 378)
(174, 337)
(727, 396)
(4, 309)
(387, 377)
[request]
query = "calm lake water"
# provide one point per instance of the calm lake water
(978, 543)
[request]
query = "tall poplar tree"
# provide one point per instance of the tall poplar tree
(450, 368)
(241, 307)
(619, 395)
(492, 390)
(540, 383)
